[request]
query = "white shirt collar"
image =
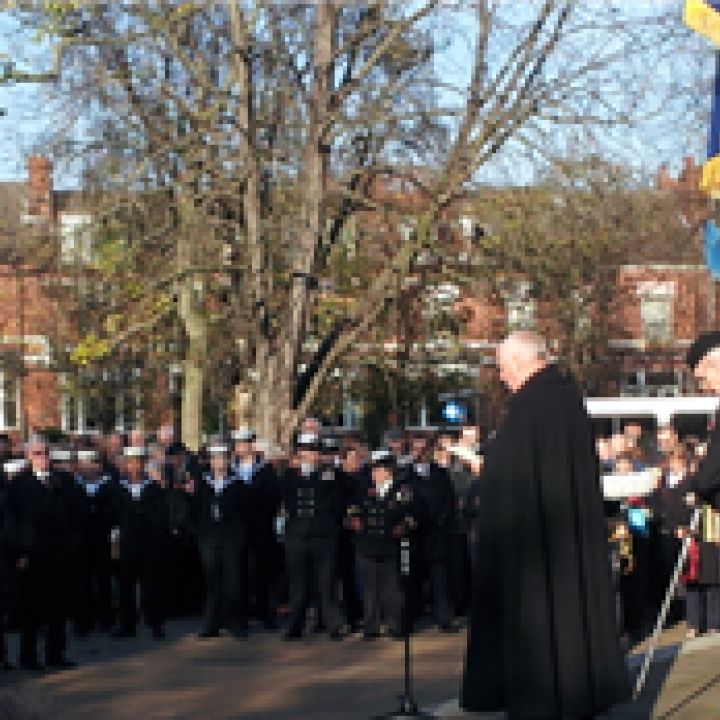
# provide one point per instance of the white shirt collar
(382, 490)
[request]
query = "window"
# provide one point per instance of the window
(9, 401)
(75, 239)
(656, 312)
(79, 413)
(127, 413)
(521, 307)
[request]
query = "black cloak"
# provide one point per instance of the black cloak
(544, 640)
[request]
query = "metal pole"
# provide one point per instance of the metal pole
(670, 593)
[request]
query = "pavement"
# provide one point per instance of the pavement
(264, 678)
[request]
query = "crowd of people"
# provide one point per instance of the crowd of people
(236, 533)
(655, 522)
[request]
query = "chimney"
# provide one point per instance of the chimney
(39, 188)
(664, 182)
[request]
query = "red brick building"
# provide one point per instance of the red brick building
(664, 297)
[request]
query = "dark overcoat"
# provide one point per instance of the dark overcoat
(544, 641)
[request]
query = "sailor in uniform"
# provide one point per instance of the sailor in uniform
(142, 516)
(99, 502)
(224, 512)
(260, 478)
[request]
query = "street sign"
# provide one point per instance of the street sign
(703, 16)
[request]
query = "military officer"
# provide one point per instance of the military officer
(383, 510)
(312, 499)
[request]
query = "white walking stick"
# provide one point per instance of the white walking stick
(670, 593)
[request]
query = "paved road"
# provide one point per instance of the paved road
(265, 679)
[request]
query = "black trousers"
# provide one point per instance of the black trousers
(439, 582)
(3, 617)
(225, 563)
(94, 595)
(263, 568)
(42, 600)
(312, 559)
(459, 572)
(347, 568)
(382, 598)
(702, 607)
(143, 567)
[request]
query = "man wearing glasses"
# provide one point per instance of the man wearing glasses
(40, 514)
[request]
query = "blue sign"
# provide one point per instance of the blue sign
(454, 412)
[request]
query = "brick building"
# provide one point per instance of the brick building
(44, 252)
(664, 297)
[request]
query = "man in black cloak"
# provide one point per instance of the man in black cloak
(543, 641)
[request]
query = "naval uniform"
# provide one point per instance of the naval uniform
(381, 515)
(435, 487)
(223, 515)
(142, 514)
(5, 569)
(94, 597)
(263, 550)
(42, 522)
(313, 503)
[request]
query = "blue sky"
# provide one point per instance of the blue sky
(666, 137)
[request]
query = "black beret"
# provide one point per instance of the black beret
(701, 347)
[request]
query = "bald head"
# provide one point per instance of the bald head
(519, 356)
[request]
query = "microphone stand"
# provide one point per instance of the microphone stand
(408, 707)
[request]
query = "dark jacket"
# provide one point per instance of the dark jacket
(224, 514)
(314, 502)
(143, 521)
(43, 520)
(382, 521)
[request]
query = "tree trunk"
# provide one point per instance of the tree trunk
(193, 366)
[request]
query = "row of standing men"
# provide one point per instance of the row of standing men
(81, 533)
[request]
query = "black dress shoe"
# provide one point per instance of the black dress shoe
(122, 632)
(61, 663)
(369, 635)
(158, 633)
(397, 635)
(292, 634)
(208, 633)
(337, 634)
(448, 628)
(31, 664)
(7, 666)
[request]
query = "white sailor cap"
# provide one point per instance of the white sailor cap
(61, 454)
(135, 451)
(382, 457)
(12, 467)
(87, 455)
(243, 434)
(217, 448)
(307, 441)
